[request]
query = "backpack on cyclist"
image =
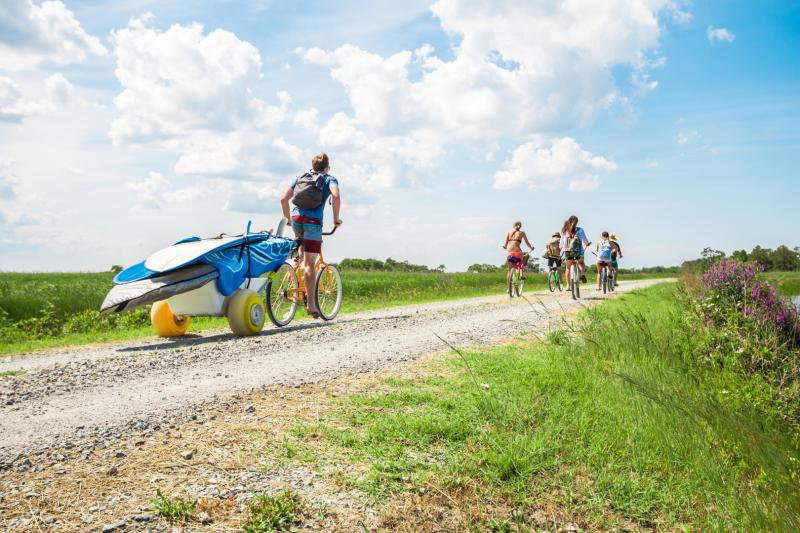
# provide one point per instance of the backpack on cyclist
(308, 190)
(554, 247)
(574, 243)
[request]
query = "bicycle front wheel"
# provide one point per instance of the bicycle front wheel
(282, 293)
(552, 281)
(329, 292)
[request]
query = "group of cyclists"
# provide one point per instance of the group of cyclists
(564, 248)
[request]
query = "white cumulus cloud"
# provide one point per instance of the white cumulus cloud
(46, 33)
(720, 34)
(518, 69)
(155, 192)
(14, 107)
(552, 164)
(190, 93)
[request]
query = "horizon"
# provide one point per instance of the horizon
(126, 128)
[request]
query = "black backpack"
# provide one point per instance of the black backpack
(308, 190)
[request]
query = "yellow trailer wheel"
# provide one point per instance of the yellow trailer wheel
(165, 322)
(246, 312)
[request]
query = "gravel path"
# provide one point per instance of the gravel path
(86, 396)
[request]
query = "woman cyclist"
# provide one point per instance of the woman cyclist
(573, 246)
(513, 247)
(604, 249)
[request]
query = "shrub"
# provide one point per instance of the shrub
(274, 513)
(173, 509)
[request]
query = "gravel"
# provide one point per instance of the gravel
(84, 400)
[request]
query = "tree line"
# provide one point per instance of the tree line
(781, 259)
(390, 265)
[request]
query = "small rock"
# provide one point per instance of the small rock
(112, 471)
(88, 519)
(250, 409)
(203, 517)
(138, 442)
(188, 454)
(119, 455)
(108, 528)
(141, 518)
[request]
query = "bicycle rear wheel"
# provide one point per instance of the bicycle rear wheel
(604, 280)
(510, 284)
(329, 292)
(281, 295)
(519, 283)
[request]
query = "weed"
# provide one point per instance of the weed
(11, 373)
(274, 513)
(558, 337)
(173, 509)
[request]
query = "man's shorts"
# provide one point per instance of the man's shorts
(614, 264)
(309, 232)
(553, 261)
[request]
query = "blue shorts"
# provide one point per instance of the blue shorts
(308, 232)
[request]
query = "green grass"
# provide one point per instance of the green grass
(605, 422)
(787, 283)
(274, 513)
(11, 373)
(173, 509)
(24, 295)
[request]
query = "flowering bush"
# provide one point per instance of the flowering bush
(729, 285)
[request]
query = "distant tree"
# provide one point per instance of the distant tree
(116, 269)
(785, 260)
(441, 268)
(481, 268)
(740, 256)
(763, 256)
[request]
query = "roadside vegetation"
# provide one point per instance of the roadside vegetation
(42, 310)
(642, 414)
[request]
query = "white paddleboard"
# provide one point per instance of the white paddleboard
(180, 254)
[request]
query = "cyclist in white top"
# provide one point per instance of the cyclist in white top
(569, 231)
(604, 249)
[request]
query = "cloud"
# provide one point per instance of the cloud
(492, 84)
(8, 181)
(190, 93)
(14, 108)
(552, 164)
(59, 88)
(42, 34)
(652, 164)
(719, 34)
(155, 192)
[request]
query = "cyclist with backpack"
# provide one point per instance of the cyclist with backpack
(553, 253)
(309, 193)
(604, 249)
(573, 245)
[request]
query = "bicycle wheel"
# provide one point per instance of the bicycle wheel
(329, 292)
(282, 293)
(604, 279)
(510, 284)
(560, 285)
(519, 283)
(576, 281)
(611, 282)
(552, 280)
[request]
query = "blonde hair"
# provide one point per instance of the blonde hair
(517, 224)
(320, 162)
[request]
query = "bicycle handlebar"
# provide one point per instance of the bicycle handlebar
(331, 232)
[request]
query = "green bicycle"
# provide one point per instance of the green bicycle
(554, 279)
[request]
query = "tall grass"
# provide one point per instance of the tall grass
(606, 422)
(25, 295)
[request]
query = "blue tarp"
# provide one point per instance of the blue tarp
(250, 256)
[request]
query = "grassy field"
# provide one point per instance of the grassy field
(68, 302)
(603, 426)
(787, 283)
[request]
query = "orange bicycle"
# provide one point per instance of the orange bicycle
(286, 288)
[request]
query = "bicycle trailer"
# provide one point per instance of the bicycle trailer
(219, 276)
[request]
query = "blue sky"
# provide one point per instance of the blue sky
(124, 128)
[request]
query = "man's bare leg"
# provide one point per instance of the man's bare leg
(310, 279)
